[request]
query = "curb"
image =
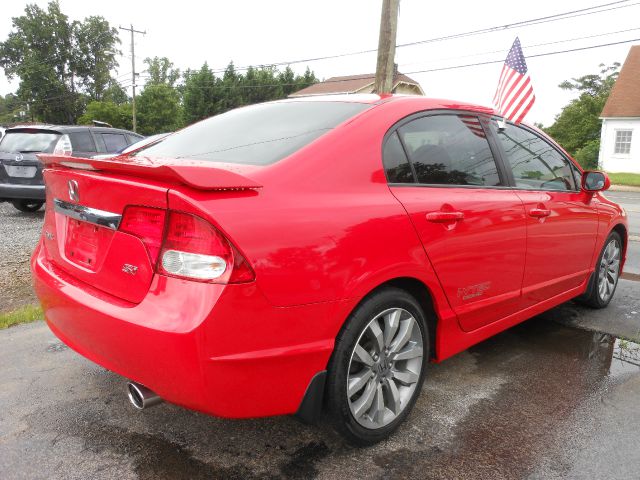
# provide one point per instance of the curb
(624, 188)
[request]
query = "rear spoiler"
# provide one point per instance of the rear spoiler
(198, 175)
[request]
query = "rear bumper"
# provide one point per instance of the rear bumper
(9, 191)
(220, 349)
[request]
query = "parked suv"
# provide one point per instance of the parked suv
(21, 180)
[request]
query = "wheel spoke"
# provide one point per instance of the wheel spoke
(403, 335)
(358, 381)
(394, 396)
(377, 334)
(411, 350)
(406, 377)
(391, 323)
(376, 413)
(362, 356)
(360, 406)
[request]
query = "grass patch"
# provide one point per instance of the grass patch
(26, 314)
(631, 179)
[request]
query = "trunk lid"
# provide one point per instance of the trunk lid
(86, 199)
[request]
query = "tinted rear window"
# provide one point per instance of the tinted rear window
(114, 142)
(82, 142)
(29, 142)
(258, 135)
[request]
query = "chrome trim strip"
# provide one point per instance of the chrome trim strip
(88, 214)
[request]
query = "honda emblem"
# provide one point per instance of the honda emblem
(74, 193)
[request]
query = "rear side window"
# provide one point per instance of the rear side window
(24, 141)
(82, 142)
(536, 165)
(257, 135)
(450, 150)
(396, 164)
(114, 142)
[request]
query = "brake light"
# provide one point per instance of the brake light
(63, 146)
(194, 249)
(147, 224)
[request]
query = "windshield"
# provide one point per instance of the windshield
(257, 135)
(28, 142)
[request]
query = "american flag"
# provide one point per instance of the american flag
(514, 96)
(473, 123)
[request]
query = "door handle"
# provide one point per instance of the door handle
(539, 212)
(444, 217)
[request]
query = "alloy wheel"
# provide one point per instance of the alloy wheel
(609, 270)
(384, 368)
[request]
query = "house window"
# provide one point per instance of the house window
(623, 142)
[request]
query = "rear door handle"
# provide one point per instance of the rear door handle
(539, 212)
(444, 217)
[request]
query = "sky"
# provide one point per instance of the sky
(254, 32)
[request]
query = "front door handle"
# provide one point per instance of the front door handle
(444, 217)
(539, 212)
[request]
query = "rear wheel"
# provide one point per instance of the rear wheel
(377, 369)
(27, 206)
(605, 278)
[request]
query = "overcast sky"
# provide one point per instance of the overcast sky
(260, 32)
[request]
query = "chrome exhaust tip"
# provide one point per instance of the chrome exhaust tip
(141, 397)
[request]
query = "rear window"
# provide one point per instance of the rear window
(114, 142)
(82, 142)
(29, 142)
(257, 135)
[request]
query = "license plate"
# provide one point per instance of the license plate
(20, 171)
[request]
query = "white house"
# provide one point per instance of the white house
(620, 136)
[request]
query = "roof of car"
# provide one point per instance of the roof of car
(422, 102)
(70, 128)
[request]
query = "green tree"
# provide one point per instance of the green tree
(59, 62)
(118, 116)
(161, 72)
(96, 48)
(159, 109)
(200, 94)
(577, 128)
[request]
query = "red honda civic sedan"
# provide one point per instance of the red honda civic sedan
(317, 253)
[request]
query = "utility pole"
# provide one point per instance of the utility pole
(133, 71)
(385, 68)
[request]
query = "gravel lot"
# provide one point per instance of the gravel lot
(19, 233)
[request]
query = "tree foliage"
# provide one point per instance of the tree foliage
(577, 128)
(118, 116)
(158, 109)
(60, 62)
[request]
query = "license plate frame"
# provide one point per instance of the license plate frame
(21, 171)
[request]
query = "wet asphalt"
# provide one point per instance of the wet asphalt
(555, 397)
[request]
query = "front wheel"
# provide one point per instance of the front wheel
(378, 366)
(27, 206)
(605, 278)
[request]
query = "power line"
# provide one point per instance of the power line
(524, 23)
(567, 40)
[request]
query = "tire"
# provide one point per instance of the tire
(604, 279)
(389, 385)
(27, 206)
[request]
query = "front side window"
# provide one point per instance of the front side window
(536, 165)
(450, 150)
(623, 142)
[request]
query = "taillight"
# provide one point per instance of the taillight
(63, 146)
(147, 224)
(186, 246)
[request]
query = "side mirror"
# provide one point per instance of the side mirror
(595, 181)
